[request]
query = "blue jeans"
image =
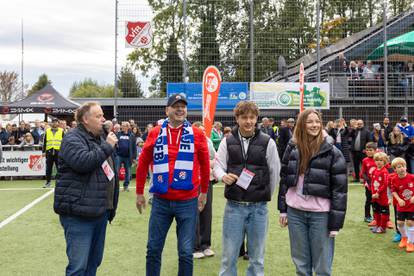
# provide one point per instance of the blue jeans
(127, 165)
(240, 218)
(163, 212)
(85, 241)
(311, 247)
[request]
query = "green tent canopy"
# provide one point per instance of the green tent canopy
(400, 48)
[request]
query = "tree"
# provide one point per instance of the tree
(41, 82)
(128, 84)
(89, 88)
(10, 87)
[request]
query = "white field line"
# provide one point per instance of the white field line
(23, 189)
(24, 209)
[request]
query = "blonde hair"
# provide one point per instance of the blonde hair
(381, 156)
(398, 161)
(307, 145)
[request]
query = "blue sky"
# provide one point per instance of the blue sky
(69, 40)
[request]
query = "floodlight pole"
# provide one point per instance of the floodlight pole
(251, 41)
(318, 41)
(385, 59)
(116, 58)
(185, 79)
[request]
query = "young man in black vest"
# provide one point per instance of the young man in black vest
(248, 163)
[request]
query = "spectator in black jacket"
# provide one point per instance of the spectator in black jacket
(285, 133)
(313, 195)
(4, 136)
(387, 128)
(360, 137)
(86, 193)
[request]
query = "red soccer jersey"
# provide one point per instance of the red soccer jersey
(201, 170)
(379, 186)
(404, 187)
(368, 166)
(391, 177)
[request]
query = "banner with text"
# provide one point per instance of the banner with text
(22, 163)
(285, 95)
(230, 94)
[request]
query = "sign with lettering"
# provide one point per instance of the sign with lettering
(138, 34)
(22, 163)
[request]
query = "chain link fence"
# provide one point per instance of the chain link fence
(338, 41)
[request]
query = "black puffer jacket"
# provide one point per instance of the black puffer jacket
(325, 177)
(81, 188)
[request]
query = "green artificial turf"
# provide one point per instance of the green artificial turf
(33, 244)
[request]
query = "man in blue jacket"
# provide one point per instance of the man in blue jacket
(126, 151)
(87, 188)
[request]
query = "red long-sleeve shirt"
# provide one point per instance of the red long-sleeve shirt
(201, 167)
(368, 166)
(404, 187)
(379, 186)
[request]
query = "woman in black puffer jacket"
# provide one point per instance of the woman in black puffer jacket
(313, 195)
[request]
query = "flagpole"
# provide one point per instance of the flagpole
(22, 70)
(116, 58)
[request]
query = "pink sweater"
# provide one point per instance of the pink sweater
(296, 199)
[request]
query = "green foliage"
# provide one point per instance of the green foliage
(218, 34)
(41, 82)
(128, 84)
(89, 88)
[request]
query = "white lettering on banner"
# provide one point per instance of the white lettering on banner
(207, 107)
(22, 163)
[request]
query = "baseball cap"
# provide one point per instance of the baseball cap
(175, 98)
(403, 119)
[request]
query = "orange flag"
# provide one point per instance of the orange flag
(211, 89)
(302, 87)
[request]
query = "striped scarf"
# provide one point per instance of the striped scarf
(183, 169)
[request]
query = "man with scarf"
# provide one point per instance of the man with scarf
(181, 168)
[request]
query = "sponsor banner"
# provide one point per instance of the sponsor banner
(286, 95)
(302, 88)
(211, 90)
(230, 94)
(22, 163)
(138, 34)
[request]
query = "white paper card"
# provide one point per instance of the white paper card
(245, 178)
(108, 170)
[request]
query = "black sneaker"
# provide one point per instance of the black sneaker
(47, 185)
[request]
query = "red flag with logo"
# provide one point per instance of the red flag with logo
(138, 34)
(211, 90)
(302, 87)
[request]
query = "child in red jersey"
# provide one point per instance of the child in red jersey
(368, 166)
(379, 184)
(403, 191)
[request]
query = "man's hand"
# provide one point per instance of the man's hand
(229, 179)
(202, 200)
(111, 139)
(283, 220)
(140, 203)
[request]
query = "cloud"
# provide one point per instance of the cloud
(67, 40)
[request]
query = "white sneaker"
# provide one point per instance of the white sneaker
(208, 252)
(198, 255)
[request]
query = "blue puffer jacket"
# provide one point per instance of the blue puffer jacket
(81, 188)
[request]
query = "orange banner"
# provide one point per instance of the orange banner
(211, 90)
(302, 87)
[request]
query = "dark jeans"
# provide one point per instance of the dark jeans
(357, 157)
(163, 212)
(85, 241)
(368, 202)
(51, 158)
(203, 229)
(127, 165)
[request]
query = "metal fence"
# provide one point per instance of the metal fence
(266, 40)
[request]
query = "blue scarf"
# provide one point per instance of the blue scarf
(183, 168)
